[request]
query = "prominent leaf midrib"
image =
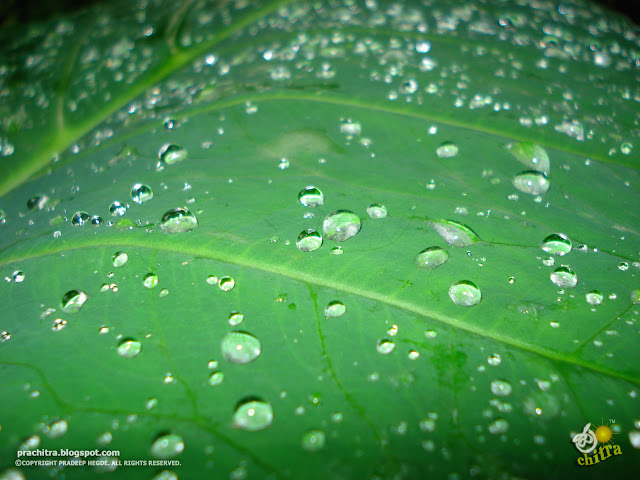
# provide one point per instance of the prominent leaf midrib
(203, 250)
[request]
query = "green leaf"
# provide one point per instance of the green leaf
(178, 289)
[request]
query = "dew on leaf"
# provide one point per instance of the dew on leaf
(167, 445)
(120, 259)
(634, 438)
(465, 293)
(557, 244)
(129, 348)
(350, 128)
(37, 202)
(117, 209)
(594, 297)
(532, 182)
(533, 156)
(240, 347)
(626, 148)
(337, 250)
(309, 240)
(141, 193)
(253, 415)
(447, 150)
(212, 280)
(96, 220)
(226, 284)
(311, 197)
(216, 378)
(164, 292)
(335, 309)
(80, 218)
(18, 276)
(385, 347)
(455, 233)
(165, 475)
(498, 426)
(178, 220)
(501, 388)
(170, 154)
(564, 277)
(72, 301)
(284, 164)
(235, 319)
(313, 440)
(635, 297)
(150, 280)
(341, 225)
(377, 210)
(431, 258)
(55, 429)
(623, 266)
(494, 360)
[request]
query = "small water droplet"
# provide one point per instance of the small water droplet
(531, 155)
(494, 360)
(170, 154)
(212, 280)
(564, 277)
(335, 309)
(377, 210)
(253, 415)
(350, 128)
(240, 347)
(117, 209)
(80, 218)
(431, 258)
(309, 240)
(341, 225)
(37, 202)
(634, 438)
(216, 378)
(455, 233)
(501, 388)
(164, 292)
(18, 276)
(447, 150)
(594, 297)
(56, 428)
(96, 221)
(284, 164)
(129, 348)
(532, 182)
(413, 355)
(337, 250)
(226, 284)
(626, 148)
(557, 244)
(498, 426)
(465, 293)
(235, 319)
(73, 300)
(167, 445)
(623, 266)
(178, 220)
(165, 475)
(120, 259)
(385, 347)
(141, 193)
(313, 440)
(311, 197)
(150, 280)
(635, 296)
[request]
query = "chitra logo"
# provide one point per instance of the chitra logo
(587, 442)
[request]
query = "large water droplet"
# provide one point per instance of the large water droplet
(120, 259)
(531, 181)
(141, 193)
(252, 415)
(465, 293)
(531, 155)
(385, 347)
(335, 309)
(455, 233)
(377, 210)
(150, 280)
(80, 218)
(594, 297)
(240, 347)
(341, 225)
(431, 257)
(129, 348)
(564, 277)
(73, 300)
(447, 150)
(178, 220)
(557, 244)
(170, 154)
(313, 440)
(501, 388)
(167, 445)
(311, 197)
(309, 240)
(117, 209)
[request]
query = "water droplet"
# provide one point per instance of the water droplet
(117, 209)
(501, 388)
(178, 220)
(165, 475)
(337, 250)
(498, 426)
(626, 148)
(252, 415)
(226, 283)
(564, 277)
(531, 155)
(465, 293)
(167, 445)
(56, 428)
(309, 240)
(73, 300)
(455, 233)
(141, 193)
(120, 259)
(129, 348)
(635, 296)
(531, 181)
(494, 360)
(311, 197)
(96, 221)
(37, 202)
(377, 210)
(335, 309)
(385, 347)
(634, 438)
(216, 378)
(80, 218)
(594, 297)
(341, 225)
(18, 276)
(350, 128)
(150, 280)
(170, 154)
(240, 347)
(284, 164)
(447, 150)
(557, 244)
(623, 266)
(164, 292)
(413, 355)
(431, 258)
(235, 319)
(313, 440)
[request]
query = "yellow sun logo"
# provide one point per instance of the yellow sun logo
(604, 434)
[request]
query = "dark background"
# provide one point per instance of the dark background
(20, 11)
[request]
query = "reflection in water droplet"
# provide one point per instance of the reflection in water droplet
(311, 197)
(532, 182)
(465, 293)
(341, 225)
(309, 240)
(120, 259)
(240, 347)
(447, 150)
(557, 244)
(455, 233)
(150, 280)
(501, 388)
(216, 378)
(73, 300)
(178, 220)
(170, 154)
(594, 297)
(499, 426)
(80, 218)
(117, 209)
(385, 346)
(335, 309)
(235, 319)
(253, 415)
(531, 155)
(313, 440)
(431, 257)
(167, 445)
(564, 277)
(226, 283)
(129, 348)
(141, 193)
(377, 210)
